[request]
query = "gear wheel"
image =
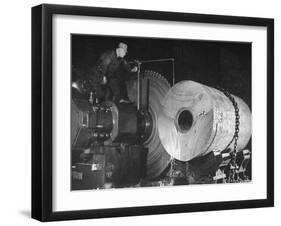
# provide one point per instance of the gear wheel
(154, 88)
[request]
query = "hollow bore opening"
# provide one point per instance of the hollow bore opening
(185, 120)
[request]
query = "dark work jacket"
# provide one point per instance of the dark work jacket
(111, 66)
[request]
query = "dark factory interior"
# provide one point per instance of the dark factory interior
(216, 64)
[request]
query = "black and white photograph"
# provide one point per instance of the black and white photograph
(143, 112)
(154, 112)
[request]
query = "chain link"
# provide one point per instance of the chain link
(233, 164)
(172, 169)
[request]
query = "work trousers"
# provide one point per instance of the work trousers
(118, 89)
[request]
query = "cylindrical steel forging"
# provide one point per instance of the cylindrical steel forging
(196, 119)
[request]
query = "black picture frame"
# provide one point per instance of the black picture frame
(42, 108)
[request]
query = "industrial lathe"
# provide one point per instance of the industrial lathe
(187, 133)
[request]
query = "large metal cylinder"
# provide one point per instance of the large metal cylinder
(121, 123)
(128, 124)
(196, 119)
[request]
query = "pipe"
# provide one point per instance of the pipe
(139, 87)
(159, 60)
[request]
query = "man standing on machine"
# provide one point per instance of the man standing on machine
(111, 72)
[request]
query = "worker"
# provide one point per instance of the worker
(112, 71)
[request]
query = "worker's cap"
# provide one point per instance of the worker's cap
(123, 46)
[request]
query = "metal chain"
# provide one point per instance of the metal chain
(235, 135)
(172, 168)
